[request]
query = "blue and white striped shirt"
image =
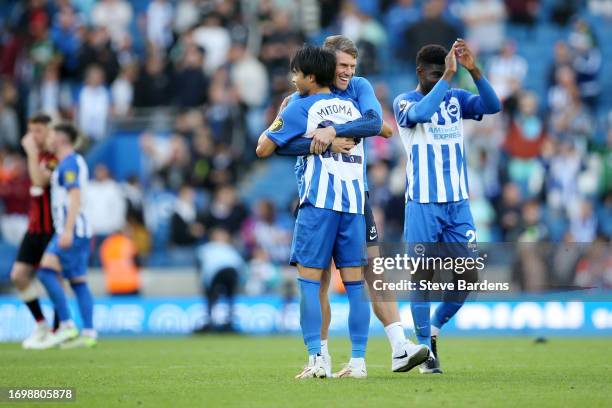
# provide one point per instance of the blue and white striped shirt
(436, 169)
(70, 173)
(331, 180)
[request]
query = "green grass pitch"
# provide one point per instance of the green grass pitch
(238, 371)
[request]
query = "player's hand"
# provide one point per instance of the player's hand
(29, 144)
(342, 145)
(451, 64)
(464, 55)
(65, 240)
(321, 139)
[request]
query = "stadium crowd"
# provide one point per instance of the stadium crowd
(539, 172)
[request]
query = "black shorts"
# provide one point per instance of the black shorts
(371, 230)
(32, 248)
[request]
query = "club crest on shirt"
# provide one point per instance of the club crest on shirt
(69, 177)
(276, 125)
(403, 104)
(453, 108)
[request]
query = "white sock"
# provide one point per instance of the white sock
(357, 362)
(435, 330)
(324, 349)
(42, 323)
(90, 333)
(395, 333)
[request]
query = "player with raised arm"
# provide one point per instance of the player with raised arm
(404, 355)
(330, 221)
(67, 254)
(437, 207)
(40, 224)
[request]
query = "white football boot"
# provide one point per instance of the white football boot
(40, 333)
(355, 368)
(314, 369)
(408, 356)
(62, 335)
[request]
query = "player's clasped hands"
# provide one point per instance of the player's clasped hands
(342, 145)
(321, 139)
(464, 54)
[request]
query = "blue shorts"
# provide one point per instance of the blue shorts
(450, 223)
(320, 234)
(74, 259)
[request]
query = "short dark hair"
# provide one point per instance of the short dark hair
(341, 43)
(40, 118)
(315, 61)
(69, 130)
(431, 54)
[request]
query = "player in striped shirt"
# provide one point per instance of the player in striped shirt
(430, 120)
(67, 254)
(330, 221)
(404, 355)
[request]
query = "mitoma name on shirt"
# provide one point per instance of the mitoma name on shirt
(444, 132)
(335, 109)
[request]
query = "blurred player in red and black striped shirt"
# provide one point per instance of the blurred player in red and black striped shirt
(40, 227)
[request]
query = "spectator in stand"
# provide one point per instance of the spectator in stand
(562, 59)
(186, 16)
(221, 268)
(563, 91)
(572, 123)
(583, 222)
(171, 159)
(9, 127)
(604, 216)
(523, 11)
(160, 15)
(97, 50)
(94, 104)
(562, 177)
(215, 39)
(267, 234)
(190, 82)
(431, 29)
(586, 62)
(595, 269)
(484, 21)
(248, 75)
(47, 96)
(185, 228)
(507, 70)
(122, 91)
(119, 257)
(225, 211)
(398, 19)
(279, 36)
(600, 7)
(107, 207)
(107, 202)
(41, 50)
(530, 265)
(509, 212)
(65, 37)
(526, 130)
(153, 86)
(114, 15)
